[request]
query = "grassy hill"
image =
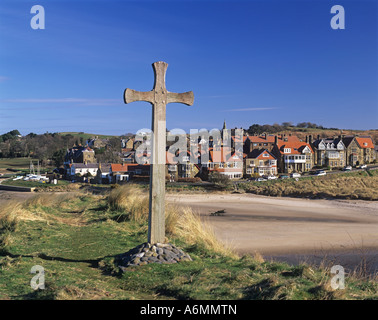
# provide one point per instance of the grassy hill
(324, 133)
(75, 237)
(87, 136)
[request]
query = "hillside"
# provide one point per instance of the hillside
(324, 133)
(87, 136)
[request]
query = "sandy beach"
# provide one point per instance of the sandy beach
(291, 229)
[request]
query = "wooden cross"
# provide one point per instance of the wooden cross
(159, 97)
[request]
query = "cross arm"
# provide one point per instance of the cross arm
(131, 95)
(185, 98)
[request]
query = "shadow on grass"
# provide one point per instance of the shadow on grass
(163, 290)
(93, 263)
(264, 290)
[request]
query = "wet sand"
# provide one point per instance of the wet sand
(290, 229)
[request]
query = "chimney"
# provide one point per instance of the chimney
(310, 139)
(318, 136)
(275, 139)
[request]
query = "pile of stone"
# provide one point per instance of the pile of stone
(151, 253)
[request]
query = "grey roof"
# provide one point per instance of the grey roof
(86, 166)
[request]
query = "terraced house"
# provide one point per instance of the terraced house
(329, 152)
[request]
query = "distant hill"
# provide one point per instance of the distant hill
(324, 133)
(87, 136)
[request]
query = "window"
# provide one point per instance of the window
(265, 155)
(249, 171)
(287, 150)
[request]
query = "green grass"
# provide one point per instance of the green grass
(33, 184)
(15, 163)
(75, 238)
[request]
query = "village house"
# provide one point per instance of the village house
(293, 156)
(367, 153)
(180, 166)
(359, 150)
(96, 143)
(127, 143)
(224, 162)
(124, 172)
(328, 152)
(265, 141)
(260, 161)
(82, 170)
(79, 154)
(102, 175)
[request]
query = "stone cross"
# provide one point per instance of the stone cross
(159, 97)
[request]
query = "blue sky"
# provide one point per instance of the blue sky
(246, 62)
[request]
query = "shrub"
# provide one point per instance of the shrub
(220, 180)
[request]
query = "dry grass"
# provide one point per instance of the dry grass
(49, 200)
(8, 224)
(183, 223)
(70, 292)
(364, 188)
(130, 200)
(190, 227)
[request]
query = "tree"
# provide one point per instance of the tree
(58, 157)
(255, 129)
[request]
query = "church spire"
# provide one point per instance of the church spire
(224, 124)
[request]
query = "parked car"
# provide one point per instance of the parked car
(283, 176)
(320, 173)
(271, 177)
(261, 179)
(347, 168)
(295, 175)
(364, 166)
